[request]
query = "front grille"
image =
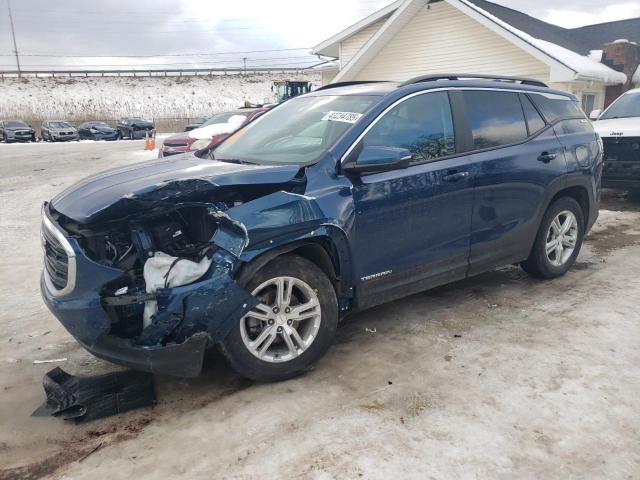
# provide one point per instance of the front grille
(56, 261)
(621, 149)
(59, 259)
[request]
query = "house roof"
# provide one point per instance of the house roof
(580, 40)
(567, 47)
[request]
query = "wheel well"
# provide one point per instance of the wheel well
(320, 252)
(579, 194)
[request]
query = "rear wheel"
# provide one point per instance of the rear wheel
(558, 240)
(292, 326)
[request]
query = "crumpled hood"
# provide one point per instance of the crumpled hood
(618, 127)
(123, 191)
(64, 129)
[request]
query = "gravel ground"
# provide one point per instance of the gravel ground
(495, 377)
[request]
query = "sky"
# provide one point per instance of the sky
(111, 34)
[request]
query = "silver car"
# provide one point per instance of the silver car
(58, 131)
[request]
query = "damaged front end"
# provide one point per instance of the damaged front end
(105, 308)
(143, 271)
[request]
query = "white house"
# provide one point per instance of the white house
(415, 37)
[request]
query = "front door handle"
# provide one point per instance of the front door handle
(455, 176)
(546, 157)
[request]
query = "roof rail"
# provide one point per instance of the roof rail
(464, 76)
(346, 84)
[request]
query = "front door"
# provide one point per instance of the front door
(413, 225)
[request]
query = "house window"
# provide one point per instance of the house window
(588, 102)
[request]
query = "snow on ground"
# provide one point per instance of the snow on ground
(110, 98)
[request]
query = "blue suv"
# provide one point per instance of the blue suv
(333, 202)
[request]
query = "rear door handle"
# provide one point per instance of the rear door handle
(546, 157)
(455, 176)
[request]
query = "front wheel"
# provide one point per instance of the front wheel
(558, 240)
(292, 326)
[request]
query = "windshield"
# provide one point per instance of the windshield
(59, 125)
(299, 131)
(16, 124)
(626, 106)
(222, 118)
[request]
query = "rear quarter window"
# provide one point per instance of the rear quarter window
(555, 106)
(534, 121)
(495, 118)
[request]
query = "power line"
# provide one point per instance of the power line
(157, 54)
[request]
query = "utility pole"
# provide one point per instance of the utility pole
(13, 34)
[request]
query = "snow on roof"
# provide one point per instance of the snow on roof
(586, 68)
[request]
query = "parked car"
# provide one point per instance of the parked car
(619, 128)
(58, 131)
(195, 123)
(16, 131)
(97, 131)
(134, 128)
(214, 130)
(330, 203)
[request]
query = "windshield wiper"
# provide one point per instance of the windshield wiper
(233, 160)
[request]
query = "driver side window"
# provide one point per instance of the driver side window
(421, 124)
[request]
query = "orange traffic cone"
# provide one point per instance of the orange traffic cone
(147, 144)
(152, 141)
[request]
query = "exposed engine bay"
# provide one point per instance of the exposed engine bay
(181, 233)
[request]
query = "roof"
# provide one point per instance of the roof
(431, 82)
(568, 47)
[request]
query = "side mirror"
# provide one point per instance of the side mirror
(595, 114)
(377, 159)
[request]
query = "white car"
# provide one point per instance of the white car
(619, 128)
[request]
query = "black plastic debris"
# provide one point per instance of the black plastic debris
(88, 398)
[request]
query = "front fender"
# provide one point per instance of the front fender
(280, 223)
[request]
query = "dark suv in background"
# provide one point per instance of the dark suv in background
(330, 203)
(134, 128)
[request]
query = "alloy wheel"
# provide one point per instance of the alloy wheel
(285, 322)
(562, 237)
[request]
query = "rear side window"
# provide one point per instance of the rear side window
(534, 121)
(496, 118)
(422, 124)
(555, 106)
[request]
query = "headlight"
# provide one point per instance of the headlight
(200, 144)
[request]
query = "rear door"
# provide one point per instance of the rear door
(519, 159)
(413, 225)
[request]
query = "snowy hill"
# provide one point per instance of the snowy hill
(110, 98)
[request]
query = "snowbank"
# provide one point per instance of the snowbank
(110, 98)
(584, 66)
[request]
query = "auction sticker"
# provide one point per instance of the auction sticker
(347, 117)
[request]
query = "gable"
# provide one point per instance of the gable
(351, 45)
(440, 38)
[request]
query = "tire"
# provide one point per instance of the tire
(557, 262)
(317, 331)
